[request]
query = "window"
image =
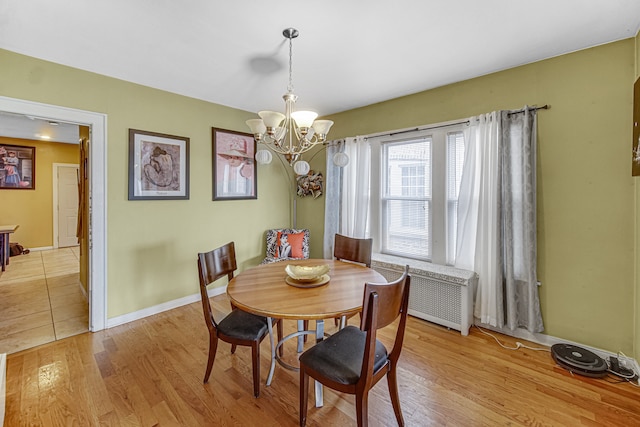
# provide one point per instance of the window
(419, 177)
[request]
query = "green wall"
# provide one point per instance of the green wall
(32, 210)
(152, 245)
(586, 213)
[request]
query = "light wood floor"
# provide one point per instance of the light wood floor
(41, 299)
(149, 372)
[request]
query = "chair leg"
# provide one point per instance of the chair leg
(255, 361)
(362, 409)
(304, 396)
(392, 382)
(233, 348)
(213, 347)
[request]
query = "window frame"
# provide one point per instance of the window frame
(440, 250)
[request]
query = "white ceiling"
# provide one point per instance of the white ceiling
(349, 53)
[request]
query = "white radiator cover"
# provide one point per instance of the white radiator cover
(439, 293)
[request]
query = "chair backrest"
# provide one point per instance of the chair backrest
(212, 266)
(383, 304)
(352, 249)
(297, 238)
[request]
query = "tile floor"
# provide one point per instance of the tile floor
(41, 299)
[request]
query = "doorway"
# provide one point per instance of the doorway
(96, 170)
(65, 205)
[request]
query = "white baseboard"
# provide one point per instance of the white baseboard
(150, 311)
(44, 248)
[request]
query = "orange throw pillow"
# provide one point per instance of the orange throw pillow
(295, 242)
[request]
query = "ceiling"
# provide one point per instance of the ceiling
(349, 53)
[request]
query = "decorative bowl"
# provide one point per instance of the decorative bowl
(306, 273)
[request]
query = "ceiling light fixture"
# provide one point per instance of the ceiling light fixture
(292, 133)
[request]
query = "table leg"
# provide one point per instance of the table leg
(318, 385)
(300, 337)
(273, 351)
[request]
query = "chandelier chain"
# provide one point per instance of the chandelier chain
(290, 86)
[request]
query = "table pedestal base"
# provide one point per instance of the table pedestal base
(319, 332)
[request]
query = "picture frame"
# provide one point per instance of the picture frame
(158, 166)
(17, 167)
(234, 165)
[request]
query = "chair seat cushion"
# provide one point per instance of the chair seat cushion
(339, 357)
(243, 325)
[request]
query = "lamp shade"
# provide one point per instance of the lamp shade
(304, 119)
(263, 157)
(321, 127)
(301, 167)
(257, 126)
(271, 118)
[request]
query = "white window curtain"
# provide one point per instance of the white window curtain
(347, 192)
(478, 234)
(333, 195)
(356, 179)
(496, 234)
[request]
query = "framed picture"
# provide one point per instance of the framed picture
(158, 166)
(17, 167)
(234, 165)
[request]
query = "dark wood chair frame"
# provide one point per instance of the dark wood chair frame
(352, 249)
(212, 266)
(383, 304)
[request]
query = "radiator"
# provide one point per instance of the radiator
(439, 294)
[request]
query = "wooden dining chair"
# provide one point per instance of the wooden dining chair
(238, 327)
(352, 249)
(352, 360)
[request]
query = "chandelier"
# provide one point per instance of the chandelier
(292, 133)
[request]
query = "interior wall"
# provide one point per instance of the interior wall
(585, 189)
(152, 245)
(32, 210)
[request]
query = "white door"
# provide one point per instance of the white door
(67, 205)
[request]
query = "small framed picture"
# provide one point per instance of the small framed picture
(158, 166)
(234, 165)
(17, 167)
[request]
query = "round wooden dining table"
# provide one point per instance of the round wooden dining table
(263, 290)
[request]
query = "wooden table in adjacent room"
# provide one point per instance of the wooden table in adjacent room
(263, 290)
(5, 231)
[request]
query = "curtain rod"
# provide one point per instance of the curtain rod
(464, 122)
(544, 107)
